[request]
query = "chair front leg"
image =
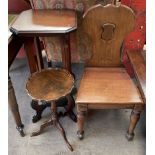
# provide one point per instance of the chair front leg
(81, 111)
(134, 118)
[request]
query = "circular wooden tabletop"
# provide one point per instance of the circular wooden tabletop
(49, 84)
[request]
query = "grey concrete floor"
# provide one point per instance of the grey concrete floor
(104, 129)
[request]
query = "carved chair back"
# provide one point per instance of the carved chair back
(104, 29)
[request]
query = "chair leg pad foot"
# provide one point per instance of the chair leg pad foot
(129, 137)
(80, 134)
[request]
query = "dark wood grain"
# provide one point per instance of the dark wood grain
(134, 118)
(30, 50)
(14, 108)
(38, 48)
(108, 86)
(14, 45)
(50, 84)
(66, 53)
(139, 65)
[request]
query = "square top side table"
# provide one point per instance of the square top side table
(32, 24)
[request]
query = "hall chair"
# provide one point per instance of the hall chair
(105, 83)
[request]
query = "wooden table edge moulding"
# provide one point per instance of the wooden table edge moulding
(32, 24)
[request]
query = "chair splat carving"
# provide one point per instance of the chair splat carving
(108, 30)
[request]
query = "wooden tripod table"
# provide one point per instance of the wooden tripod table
(32, 24)
(50, 85)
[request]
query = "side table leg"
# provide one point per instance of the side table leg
(58, 125)
(66, 56)
(66, 53)
(69, 108)
(14, 108)
(31, 54)
(38, 48)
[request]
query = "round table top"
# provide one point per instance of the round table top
(50, 84)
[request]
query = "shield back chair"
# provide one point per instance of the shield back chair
(105, 83)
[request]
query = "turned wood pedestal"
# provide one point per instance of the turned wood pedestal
(50, 85)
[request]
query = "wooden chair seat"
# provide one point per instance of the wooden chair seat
(50, 84)
(107, 86)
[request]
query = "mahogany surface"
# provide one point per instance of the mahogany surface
(50, 84)
(107, 85)
(44, 22)
(54, 18)
(139, 65)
